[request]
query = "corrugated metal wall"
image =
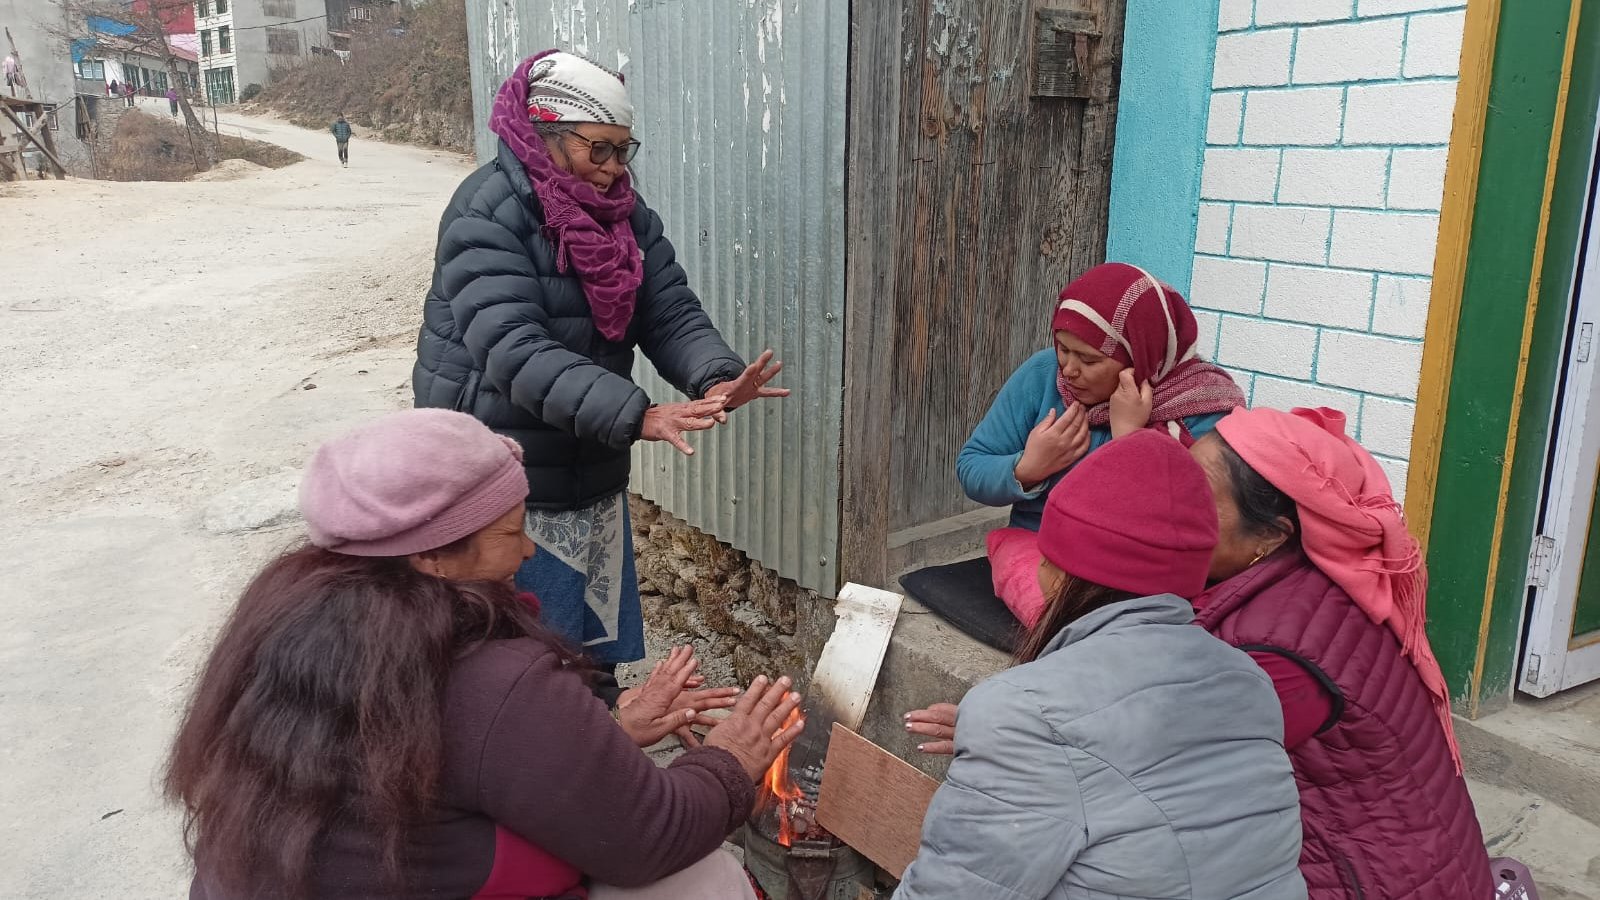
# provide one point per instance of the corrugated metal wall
(741, 108)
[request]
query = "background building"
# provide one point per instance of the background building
(242, 42)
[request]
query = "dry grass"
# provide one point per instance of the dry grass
(415, 88)
(150, 148)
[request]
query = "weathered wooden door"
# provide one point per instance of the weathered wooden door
(1004, 116)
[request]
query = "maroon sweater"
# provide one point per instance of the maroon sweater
(541, 792)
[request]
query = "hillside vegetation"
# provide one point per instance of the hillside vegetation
(154, 148)
(407, 79)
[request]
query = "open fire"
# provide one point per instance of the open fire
(786, 811)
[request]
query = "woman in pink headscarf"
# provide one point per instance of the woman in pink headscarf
(1124, 356)
(1316, 576)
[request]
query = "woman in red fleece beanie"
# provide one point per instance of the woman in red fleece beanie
(1126, 738)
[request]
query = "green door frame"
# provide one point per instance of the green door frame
(1508, 246)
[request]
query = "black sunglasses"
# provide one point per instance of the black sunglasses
(600, 152)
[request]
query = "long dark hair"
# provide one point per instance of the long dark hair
(1073, 600)
(324, 691)
(1262, 507)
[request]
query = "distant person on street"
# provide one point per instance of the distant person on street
(127, 92)
(550, 273)
(114, 89)
(341, 136)
(172, 101)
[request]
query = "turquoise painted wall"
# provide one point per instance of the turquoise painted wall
(1161, 136)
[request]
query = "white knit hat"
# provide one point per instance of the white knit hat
(565, 87)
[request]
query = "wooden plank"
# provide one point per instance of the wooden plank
(847, 670)
(873, 800)
(872, 177)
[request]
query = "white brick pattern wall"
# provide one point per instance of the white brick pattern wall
(1324, 170)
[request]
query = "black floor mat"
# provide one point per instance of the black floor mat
(963, 595)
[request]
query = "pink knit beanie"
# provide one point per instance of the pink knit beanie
(412, 481)
(1135, 515)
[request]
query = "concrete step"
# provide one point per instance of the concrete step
(1546, 748)
(1561, 849)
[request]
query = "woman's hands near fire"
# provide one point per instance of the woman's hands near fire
(1053, 445)
(750, 385)
(938, 722)
(757, 732)
(668, 701)
(668, 421)
(1130, 404)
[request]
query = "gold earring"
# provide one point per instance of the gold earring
(1259, 556)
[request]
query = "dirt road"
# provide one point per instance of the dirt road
(160, 346)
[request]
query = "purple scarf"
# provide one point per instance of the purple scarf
(590, 231)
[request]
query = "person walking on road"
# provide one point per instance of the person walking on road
(172, 100)
(127, 93)
(341, 136)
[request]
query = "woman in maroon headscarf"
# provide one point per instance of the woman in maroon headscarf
(1125, 357)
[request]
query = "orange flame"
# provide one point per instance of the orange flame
(780, 787)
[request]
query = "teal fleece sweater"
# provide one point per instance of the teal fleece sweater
(986, 465)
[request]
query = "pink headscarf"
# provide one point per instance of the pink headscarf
(1131, 317)
(590, 231)
(1350, 525)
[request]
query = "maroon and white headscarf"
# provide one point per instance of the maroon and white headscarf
(591, 232)
(1127, 314)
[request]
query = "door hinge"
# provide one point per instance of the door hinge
(1542, 560)
(1585, 341)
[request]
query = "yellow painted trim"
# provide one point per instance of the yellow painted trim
(1535, 279)
(1450, 262)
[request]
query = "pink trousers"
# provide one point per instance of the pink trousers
(1014, 560)
(717, 877)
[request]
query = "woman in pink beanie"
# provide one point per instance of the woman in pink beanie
(1130, 754)
(383, 714)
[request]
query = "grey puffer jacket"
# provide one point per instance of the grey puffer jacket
(1139, 757)
(508, 339)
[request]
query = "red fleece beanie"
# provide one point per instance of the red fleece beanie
(1136, 515)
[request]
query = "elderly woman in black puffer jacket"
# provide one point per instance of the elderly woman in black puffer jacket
(550, 271)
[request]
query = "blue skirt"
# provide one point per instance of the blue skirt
(585, 579)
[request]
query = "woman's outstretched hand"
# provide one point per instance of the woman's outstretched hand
(668, 421)
(667, 701)
(938, 722)
(750, 385)
(755, 733)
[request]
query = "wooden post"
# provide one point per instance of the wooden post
(28, 136)
(872, 193)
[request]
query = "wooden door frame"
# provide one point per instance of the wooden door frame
(1484, 405)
